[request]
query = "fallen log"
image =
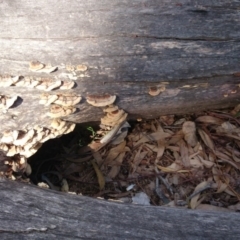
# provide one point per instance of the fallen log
(31, 212)
(189, 49)
(128, 49)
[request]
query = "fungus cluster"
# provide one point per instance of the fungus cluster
(18, 145)
(101, 100)
(57, 111)
(27, 142)
(114, 115)
(7, 80)
(78, 68)
(113, 120)
(37, 66)
(45, 84)
(63, 99)
(22, 144)
(156, 90)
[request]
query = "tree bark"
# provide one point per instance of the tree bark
(127, 48)
(28, 212)
(192, 49)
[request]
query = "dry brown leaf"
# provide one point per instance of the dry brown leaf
(230, 192)
(206, 139)
(174, 167)
(159, 135)
(101, 179)
(176, 137)
(189, 131)
(235, 158)
(176, 155)
(221, 187)
(138, 158)
(184, 154)
(206, 163)
(216, 174)
(117, 165)
(160, 149)
(209, 120)
(232, 163)
(173, 148)
(196, 163)
(153, 148)
(195, 201)
(114, 152)
(97, 156)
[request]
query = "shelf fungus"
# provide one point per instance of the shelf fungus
(66, 85)
(63, 99)
(27, 82)
(110, 108)
(48, 84)
(81, 68)
(7, 80)
(27, 142)
(57, 111)
(114, 118)
(69, 127)
(6, 102)
(101, 100)
(37, 66)
(156, 90)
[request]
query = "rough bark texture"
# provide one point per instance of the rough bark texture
(128, 46)
(28, 212)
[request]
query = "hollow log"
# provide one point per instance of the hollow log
(125, 48)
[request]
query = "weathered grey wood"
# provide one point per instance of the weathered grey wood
(25, 207)
(127, 46)
(123, 41)
(133, 98)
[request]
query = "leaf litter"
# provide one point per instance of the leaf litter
(190, 161)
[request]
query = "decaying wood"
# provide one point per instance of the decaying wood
(122, 48)
(188, 50)
(28, 212)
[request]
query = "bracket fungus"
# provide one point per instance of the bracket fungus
(101, 100)
(156, 90)
(23, 137)
(7, 80)
(58, 124)
(66, 85)
(48, 84)
(37, 66)
(110, 108)
(57, 111)
(9, 136)
(22, 144)
(81, 68)
(114, 118)
(27, 82)
(6, 101)
(63, 99)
